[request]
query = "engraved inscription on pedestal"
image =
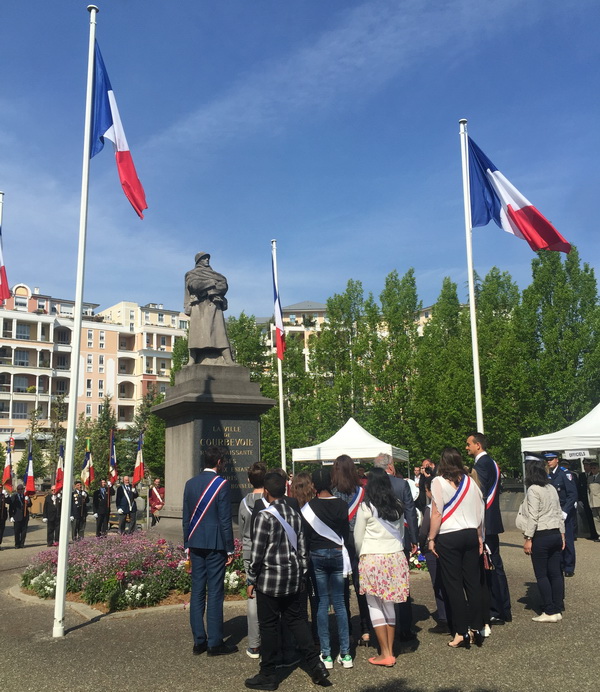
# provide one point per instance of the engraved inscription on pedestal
(241, 437)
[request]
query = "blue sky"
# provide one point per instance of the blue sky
(331, 126)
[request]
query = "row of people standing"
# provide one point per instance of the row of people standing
(16, 508)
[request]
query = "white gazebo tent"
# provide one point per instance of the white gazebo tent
(578, 437)
(351, 439)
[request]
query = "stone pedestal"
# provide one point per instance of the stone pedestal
(210, 405)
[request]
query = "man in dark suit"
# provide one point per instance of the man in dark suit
(51, 516)
(101, 506)
(401, 488)
(4, 505)
(208, 536)
(126, 506)
(79, 510)
(18, 512)
(488, 474)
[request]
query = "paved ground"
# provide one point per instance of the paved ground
(151, 650)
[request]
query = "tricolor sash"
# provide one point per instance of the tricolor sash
(320, 527)
(289, 531)
(461, 492)
(354, 503)
(205, 501)
(492, 496)
(389, 526)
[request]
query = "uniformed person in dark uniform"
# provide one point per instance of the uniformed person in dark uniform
(566, 487)
(79, 502)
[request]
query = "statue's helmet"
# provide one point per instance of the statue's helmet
(200, 255)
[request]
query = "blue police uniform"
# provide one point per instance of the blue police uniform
(566, 487)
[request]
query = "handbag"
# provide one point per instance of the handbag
(521, 520)
(488, 565)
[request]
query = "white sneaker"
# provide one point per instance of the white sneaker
(346, 661)
(486, 631)
(559, 616)
(546, 618)
(327, 661)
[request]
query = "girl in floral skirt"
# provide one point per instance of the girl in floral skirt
(383, 570)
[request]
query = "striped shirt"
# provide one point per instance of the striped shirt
(276, 568)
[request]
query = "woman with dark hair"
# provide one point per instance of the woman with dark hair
(347, 486)
(383, 569)
(327, 536)
(456, 537)
(544, 532)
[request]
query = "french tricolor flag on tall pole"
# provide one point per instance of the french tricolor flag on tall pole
(280, 344)
(28, 478)
(106, 124)
(495, 197)
(4, 289)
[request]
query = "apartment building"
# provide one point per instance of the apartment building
(125, 350)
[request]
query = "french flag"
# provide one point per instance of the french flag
(106, 123)
(28, 479)
(139, 470)
(495, 197)
(113, 473)
(60, 469)
(4, 289)
(7, 472)
(279, 333)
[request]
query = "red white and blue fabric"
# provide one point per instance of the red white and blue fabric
(205, 501)
(87, 469)
(113, 473)
(28, 478)
(4, 289)
(139, 470)
(454, 502)
(354, 503)
(60, 470)
(106, 123)
(495, 197)
(7, 472)
(494, 491)
(279, 332)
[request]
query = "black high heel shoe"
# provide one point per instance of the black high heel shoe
(365, 641)
(464, 643)
(477, 638)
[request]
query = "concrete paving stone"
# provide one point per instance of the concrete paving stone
(152, 649)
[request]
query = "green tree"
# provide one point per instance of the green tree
(444, 392)
(180, 356)
(248, 342)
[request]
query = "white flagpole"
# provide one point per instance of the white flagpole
(464, 145)
(63, 544)
(279, 369)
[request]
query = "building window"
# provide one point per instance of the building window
(88, 384)
(100, 363)
(183, 324)
(163, 388)
(20, 383)
(22, 331)
(61, 387)
(21, 357)
(41, 304)
(101, 337)
(100, 407)
(89, 394)
(20, 303)
(66, 310)
(101, 387)
(163, 340)
(88, 410)
(20, 409)
(161, 318)
(62, 363)
(131, 327)
(90, 362)
(147, 317)
(131, 315)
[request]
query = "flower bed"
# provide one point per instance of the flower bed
(123, 571)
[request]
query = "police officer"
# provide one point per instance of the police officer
(566, 487)
(79, 502)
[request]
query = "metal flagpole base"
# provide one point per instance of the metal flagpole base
(58, 631)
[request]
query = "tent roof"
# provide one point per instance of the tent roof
(351, 439)
(584, 434)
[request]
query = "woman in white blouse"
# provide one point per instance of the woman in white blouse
(383, 570)
(456, 537)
